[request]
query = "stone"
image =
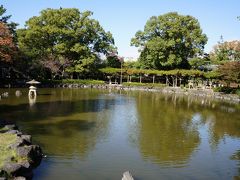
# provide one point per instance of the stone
(3, 175)
(13, 169)
(127, 176)
(27, 139)
(19, 178)
(18, 93)
(14, 132)
(18, 143)
(10, 127)
(33, 152)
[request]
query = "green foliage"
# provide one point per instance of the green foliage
(82, 81)
(73, 81)
(228, 90)
(201, 63)
(65, 34)
(143, 84)
(113, 61)
(168, 41)
(176, 72)
(112, 71)
(212, 75)
(131, 65)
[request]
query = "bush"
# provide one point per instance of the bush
(227, 90)
(73, 81)
(143, 84)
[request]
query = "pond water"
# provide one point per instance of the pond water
(98, 134)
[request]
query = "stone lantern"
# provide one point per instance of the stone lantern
(32, 89)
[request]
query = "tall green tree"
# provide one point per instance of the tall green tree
(65, 40)
(114, 61)
(169, 40)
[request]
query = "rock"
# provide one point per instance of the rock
(27, 139)
(18, 170)
(14, 132)
(18, 93)
(18, 143)
(127, 176)
(26, 164)
(31, 155)
(14, 169)
(5, 94)
(33, 152)
(3, 175)
(10, 127)
(19, 178)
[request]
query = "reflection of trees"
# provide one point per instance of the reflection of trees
(69, 122)
(221, 124)
(168, 132)
(236, 157)
(168, 135)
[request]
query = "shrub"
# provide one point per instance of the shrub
(227, 90)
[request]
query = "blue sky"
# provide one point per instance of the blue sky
(123, 18)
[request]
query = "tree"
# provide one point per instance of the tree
(7, 32)
(201, 63)
(65, 35)
(7, 47)
(10, 25)
(113, 60)
(226, 51)
(230, 71)
(169, 40)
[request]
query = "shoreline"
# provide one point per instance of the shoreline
(21, 156)
(205, 93)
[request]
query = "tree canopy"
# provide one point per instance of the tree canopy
(226, 51)
(169, 40)
(230, 71)
(7, 32)
(67, 39)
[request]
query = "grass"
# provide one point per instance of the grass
(5, 152)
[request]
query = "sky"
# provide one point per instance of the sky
(123, 18)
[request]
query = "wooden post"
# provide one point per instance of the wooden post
(153, 79)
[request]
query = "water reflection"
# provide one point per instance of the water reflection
(170, 136)
(155, 136)
(169, 126)
(65, 126)
(236, 157)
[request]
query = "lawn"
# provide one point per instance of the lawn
(5, 141)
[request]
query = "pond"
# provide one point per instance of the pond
(99, 134)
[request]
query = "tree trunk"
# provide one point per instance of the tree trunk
(176, 81)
